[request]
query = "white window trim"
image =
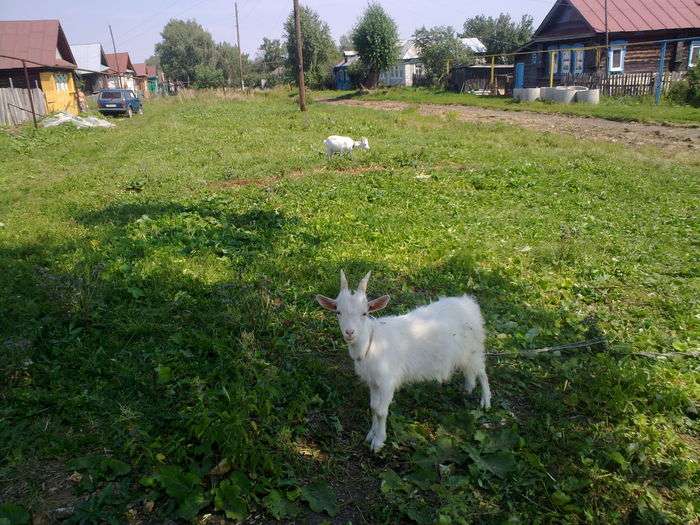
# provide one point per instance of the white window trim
(565, 52)
(617, 45)
(694, 44)
(577, 52)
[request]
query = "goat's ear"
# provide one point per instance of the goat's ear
(378, 303)
(343, 281)
(327, 302)
(362, 287)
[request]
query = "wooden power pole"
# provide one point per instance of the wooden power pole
(300, 57)
(240, 55)
(116, 58)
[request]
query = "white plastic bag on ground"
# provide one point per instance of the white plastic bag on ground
(78, 122)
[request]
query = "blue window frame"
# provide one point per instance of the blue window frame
(616, 56)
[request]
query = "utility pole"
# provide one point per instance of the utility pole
(240, 56)
(300, 57)
(607, 35)
(116, 58)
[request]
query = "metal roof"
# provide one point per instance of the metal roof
(140, 70)
(41, 41)
(90, 58)
(119, 63)
(626, 16)
(474, 44)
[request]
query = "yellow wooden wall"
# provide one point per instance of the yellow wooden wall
(63, 100)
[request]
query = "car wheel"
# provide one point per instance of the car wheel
(129, 112)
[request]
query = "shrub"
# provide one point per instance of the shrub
(686, 91)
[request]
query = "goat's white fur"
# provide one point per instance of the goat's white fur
(428, 343)
(338, 144)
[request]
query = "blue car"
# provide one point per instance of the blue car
(121, 101)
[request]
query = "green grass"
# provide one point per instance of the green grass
(623, 109)
(158, 318)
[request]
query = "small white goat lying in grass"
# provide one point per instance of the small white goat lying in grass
(431, 342)
(338, 144)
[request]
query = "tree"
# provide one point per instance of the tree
(207, 76)
(345, 43)
(318, 47)
(184, 45)
(271, 55)
(375, 37)
(438, 47)
(500, 35)
(226, 61)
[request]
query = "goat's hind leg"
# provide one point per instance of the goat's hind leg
(485, 389)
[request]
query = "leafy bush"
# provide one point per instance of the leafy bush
(687, 91)
(207, 76)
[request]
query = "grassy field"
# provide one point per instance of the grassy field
(633, 109)
(160, 346)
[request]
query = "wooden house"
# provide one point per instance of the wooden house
(141, 78)
(663, 28)
(51, 65)
(93, 69)
(122, 68)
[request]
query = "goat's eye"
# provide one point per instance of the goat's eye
(365, 314)
(338, 314)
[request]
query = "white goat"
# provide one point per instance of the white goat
(429, 343)
(338, 144)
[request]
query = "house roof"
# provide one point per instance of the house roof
(625, 16)
(474, 45)
(151, 71)
(41, 41)
(408, 51)
(140, 70)
(119, 62)
(90, 58)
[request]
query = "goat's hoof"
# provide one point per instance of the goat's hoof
(370, 435)
(376, 444)
(485, 403)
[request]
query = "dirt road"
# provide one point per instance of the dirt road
(670, 138)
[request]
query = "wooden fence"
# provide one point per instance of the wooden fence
(12, 99)
(629, 84)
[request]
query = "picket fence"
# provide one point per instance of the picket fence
(15, 107)
(629, 84)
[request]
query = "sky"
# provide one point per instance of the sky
(137, 23)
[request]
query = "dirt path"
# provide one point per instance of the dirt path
(671, 138)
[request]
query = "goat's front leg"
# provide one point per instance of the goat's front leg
(380, 399)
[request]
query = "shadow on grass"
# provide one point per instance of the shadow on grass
(185, 334)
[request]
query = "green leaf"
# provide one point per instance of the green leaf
(165, 374)
(531, 334)
(184, 487)
(101, 468)
(498, 463)
(391, 482)
(232, 496)
(135, 292)
(320, 498)
(560, 499)
(11, 514)
(279, 506)
(618, 458)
